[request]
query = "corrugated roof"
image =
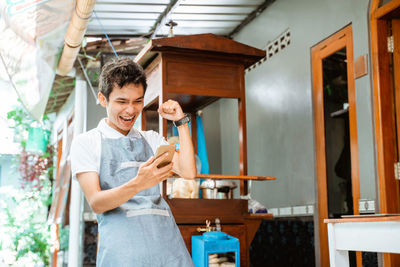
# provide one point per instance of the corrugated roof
(131, 23)
(143, 17)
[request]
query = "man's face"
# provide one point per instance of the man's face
(123, 106)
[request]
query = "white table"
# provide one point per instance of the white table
(380, 233)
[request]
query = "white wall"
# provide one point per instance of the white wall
(279, 101)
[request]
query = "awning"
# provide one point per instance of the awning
(31, 37)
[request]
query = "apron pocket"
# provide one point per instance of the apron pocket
(123, 170)
(160, 212)
(130, 164)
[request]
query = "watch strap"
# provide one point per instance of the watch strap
(182, 121)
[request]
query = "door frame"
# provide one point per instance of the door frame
(388, 192)
(339, 40)
(388, 195)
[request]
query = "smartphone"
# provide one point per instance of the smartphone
(164, 149)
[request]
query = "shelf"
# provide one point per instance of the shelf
(256, 216)
(192, 211)
(190, 103)
(339, 112)
(235, 177)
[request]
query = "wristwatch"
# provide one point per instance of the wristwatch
(182, 121)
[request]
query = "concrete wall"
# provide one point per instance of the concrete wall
(94, 112)
(212, 132)
(279, 101)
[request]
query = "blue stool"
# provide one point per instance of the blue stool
(213, 242)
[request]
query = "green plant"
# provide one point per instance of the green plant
(21, 121)
(24, 231)
(64, 238)
(34, 167)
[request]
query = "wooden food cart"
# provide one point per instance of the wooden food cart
(197, 70)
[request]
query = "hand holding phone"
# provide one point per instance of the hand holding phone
(161, 150)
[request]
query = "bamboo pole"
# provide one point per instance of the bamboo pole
(75, 33)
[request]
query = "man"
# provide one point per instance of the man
(118, 174)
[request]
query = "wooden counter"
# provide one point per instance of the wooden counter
(190, 214)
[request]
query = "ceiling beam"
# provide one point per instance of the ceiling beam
(250, 17)
(162, 19)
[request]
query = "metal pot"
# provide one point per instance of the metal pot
(224, 192)
(208, 193)
(209, 190)
(217, 189)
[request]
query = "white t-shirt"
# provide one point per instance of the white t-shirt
(86, 147)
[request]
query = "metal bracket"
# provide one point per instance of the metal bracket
(390, 44)
(397, 170)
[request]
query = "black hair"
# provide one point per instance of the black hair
(119, 72)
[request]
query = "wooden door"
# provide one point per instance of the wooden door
(340, 41)
(394, 24)
(384, 25)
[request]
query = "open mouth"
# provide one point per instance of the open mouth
(127, 120)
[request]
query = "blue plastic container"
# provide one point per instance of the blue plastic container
(213, 242)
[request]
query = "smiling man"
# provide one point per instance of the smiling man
(115, 166)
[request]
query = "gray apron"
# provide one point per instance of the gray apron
(142, 231)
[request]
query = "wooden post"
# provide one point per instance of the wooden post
(242, 136)
(143, 120)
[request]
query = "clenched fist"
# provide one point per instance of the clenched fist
(171, 110)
